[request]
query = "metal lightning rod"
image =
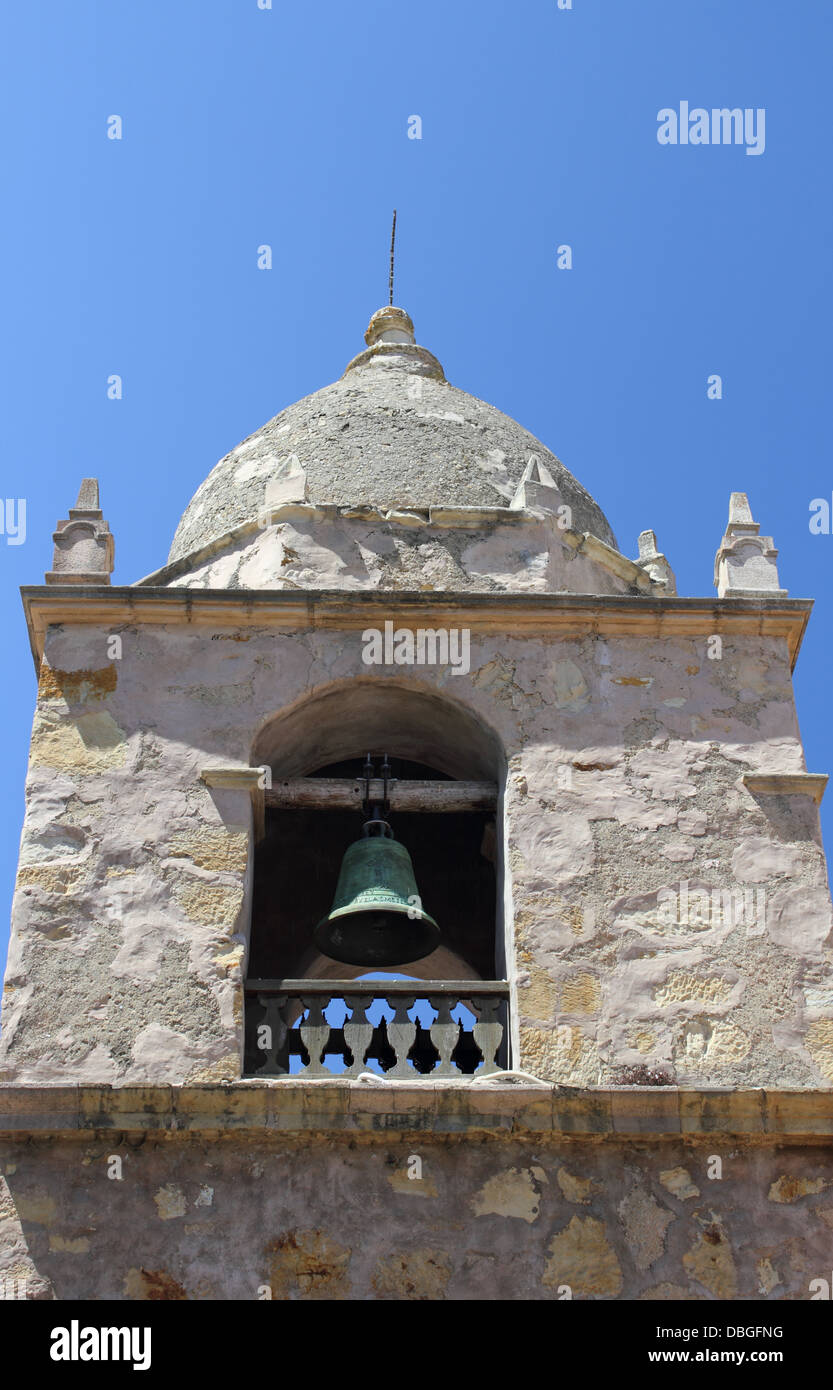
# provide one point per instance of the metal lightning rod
(392, 240)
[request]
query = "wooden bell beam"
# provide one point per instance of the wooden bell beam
(347, 794)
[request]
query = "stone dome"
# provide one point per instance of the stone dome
(392, 433)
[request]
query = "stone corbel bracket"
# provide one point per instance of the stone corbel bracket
(252, 779)
(787, 784)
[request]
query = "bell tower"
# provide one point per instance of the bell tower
(400, 814)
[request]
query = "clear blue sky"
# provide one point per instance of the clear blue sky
(289, 126)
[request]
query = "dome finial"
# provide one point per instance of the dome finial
(390, 325)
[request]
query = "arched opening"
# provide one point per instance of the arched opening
(437, 751)
(409, 719)
(297, 865)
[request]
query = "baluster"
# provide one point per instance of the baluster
(274, 1004)
(357, 1031)
(401, 1034)
(458, 1049)
(487, 1031)
(444, 1034)
(315, 1032)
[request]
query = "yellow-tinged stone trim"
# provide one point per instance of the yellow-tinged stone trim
(557, 615)
(297, 1106)
(77, 687)
(787, 784)
(246, 779)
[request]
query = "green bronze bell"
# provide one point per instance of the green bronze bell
(377, 918)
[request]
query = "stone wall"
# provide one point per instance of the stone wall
(624, 757)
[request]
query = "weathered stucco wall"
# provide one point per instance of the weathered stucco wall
(625, 759)
(486, 1217)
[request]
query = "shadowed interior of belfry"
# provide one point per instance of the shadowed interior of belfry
(297, 867)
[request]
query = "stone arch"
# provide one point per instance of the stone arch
(411, 718)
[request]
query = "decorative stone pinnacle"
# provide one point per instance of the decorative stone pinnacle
(84, 548)
(537, 472)
(537, 489)
(745, 563)
(88, 496)
(655, 564)
(288, 484)
(740, 512)
(647, 545)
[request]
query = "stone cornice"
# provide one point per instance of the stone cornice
(558, 615)
(286, 1107)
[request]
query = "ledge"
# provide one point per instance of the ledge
(285, 1107)
(249, 779)
(787, 784)
(342, 610)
